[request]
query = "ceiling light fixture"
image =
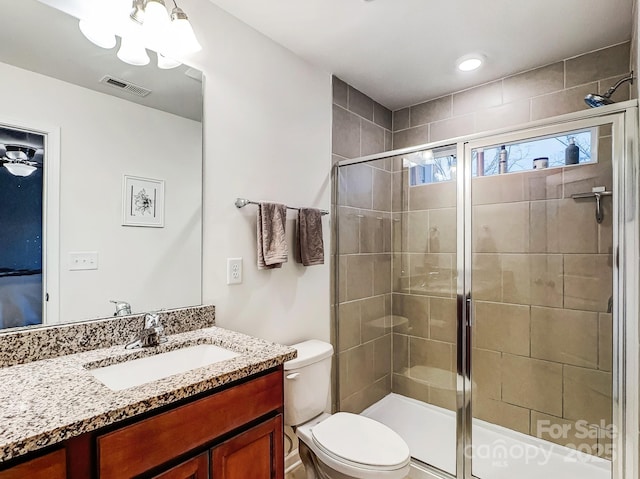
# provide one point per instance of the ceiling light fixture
(166, 63)
(97, 34)
(156, 24)
(137, 11)
(132, 43)
(148, 26)
(182, 32)
(132, 51)
(469, 63)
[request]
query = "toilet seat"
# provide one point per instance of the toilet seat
(361, 441)
(357, 446)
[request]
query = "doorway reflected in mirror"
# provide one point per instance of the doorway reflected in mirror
(22, 156)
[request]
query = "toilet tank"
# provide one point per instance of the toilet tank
(307, 382)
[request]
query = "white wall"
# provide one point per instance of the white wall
(635, 51)
(102, 138)
(267, 137)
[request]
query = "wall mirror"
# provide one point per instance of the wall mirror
(100, 185)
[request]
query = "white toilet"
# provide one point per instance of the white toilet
(342, 445)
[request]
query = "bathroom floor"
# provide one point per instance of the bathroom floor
(297, 473)
(430, 433)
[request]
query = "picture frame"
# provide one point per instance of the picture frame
(142, 202)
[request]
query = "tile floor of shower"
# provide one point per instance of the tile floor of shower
(430, 432)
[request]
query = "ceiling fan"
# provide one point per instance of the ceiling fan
(21, 160)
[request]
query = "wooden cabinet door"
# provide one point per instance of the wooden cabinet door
(145, 445)
(254, 454)
(49, 466)
(196, 468)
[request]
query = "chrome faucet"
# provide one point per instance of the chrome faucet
(151, 335)
(122, 308)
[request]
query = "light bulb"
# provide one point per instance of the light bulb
(183, 39)
(97, 34)
(132, 51)
(156, 24)
(166, 63)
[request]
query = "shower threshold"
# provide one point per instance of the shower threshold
(499, 453)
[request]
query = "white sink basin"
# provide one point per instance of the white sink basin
(151, 368)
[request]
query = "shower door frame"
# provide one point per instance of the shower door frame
(626, 272)
(624, 278)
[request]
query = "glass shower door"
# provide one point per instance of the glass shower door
(396, 298)
(541, 276)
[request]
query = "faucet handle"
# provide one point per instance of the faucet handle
(122, 307)
(152, 321)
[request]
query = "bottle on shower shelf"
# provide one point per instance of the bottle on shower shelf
(572, 153)
(502, 165)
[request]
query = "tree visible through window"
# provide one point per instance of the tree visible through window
(438, 165)
(520, 156)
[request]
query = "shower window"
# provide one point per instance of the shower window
(521, 155)
(430, 166)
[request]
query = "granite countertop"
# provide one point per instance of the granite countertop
(48, 401)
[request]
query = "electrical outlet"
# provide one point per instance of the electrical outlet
(234, 270)
(83, 260)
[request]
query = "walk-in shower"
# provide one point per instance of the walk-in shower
(474, 286)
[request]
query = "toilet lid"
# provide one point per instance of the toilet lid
(360, 440)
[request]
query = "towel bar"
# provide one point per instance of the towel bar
(242, 202)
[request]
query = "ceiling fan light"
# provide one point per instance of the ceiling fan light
(183, 38)
(19, 169)
(97, 34)
(132, 51)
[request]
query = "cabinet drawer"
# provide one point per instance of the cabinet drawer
(151, 442)
(49, 466)
(196, 468)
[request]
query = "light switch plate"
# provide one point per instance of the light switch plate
(83, 260)
(234, 270)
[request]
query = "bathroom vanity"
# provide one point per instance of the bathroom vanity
(233, 433)
(224, 420)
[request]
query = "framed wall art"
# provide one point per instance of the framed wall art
(143, 202)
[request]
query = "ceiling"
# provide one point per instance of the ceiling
(402, 52)
(54, 46)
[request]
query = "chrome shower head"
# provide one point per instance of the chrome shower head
(594, 100)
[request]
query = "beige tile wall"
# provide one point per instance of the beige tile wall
(540, 93)
(542, 269)
(363, 340)
(424, 290)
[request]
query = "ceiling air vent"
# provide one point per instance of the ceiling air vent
(131, 88)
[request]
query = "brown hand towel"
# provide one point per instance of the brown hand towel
(310, 249)
(272, 241)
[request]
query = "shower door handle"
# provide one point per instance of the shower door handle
(467, 306)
